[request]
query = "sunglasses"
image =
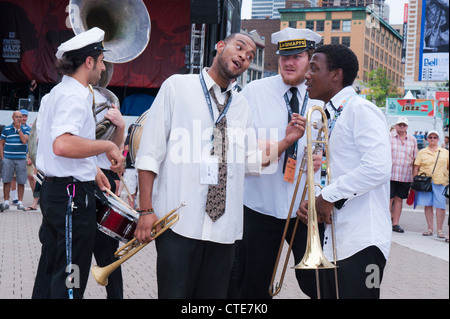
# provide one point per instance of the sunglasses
(433, 137)
(402, 124)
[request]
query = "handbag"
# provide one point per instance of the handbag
(411, 195)
(422, 182)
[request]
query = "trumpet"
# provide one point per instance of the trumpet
(313, 235)
(133, 246)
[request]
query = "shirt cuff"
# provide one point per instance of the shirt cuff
(254, 164)
(147, 163)
(331, 193)
(63, 129)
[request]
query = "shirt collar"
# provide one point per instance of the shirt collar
(80, 88)
(284, 88)
(210, 82)
(396, 134)
(337, 100)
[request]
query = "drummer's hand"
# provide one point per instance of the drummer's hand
(144, 227)
(116, 158)
(101, 180)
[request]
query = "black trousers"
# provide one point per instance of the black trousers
(51, 274)
(192, 269)
(104, 249)
(257, 254)
(359, 276)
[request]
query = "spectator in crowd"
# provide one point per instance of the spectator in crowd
(13, 151)
(403, 151)
(433, 161)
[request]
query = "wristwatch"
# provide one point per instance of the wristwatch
(18, 131)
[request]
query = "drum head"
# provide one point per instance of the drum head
(135, 136)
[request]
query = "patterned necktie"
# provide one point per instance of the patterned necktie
(216, 199)
(294, 104)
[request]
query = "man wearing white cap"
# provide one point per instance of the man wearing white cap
(267, 198)
(66, 154)
(404, 151)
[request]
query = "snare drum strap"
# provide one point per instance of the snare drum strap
(70, 206)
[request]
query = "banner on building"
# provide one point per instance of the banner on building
(434, 41)
(413, 107)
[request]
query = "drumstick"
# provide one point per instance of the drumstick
(126, 188)
(120, 200)
(121, 179)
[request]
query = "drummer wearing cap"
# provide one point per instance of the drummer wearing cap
(66, 154)
(267, 198)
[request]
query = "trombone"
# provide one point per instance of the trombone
(314, 257)
(132, 247)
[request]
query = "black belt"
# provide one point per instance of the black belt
(67, 179)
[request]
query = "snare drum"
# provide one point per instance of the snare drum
(116, 220)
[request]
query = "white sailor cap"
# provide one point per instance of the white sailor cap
(88, 41)
(292, 41)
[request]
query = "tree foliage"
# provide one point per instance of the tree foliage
(381, 87)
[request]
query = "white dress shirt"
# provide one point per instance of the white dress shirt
(268, 193)
(66, 109)
(360, 163)
(176, 136)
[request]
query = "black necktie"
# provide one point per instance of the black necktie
(294, 104)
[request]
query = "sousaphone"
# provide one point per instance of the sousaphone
(127, 32)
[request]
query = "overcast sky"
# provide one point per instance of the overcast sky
(395, 6)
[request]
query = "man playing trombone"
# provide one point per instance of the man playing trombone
(360, 164)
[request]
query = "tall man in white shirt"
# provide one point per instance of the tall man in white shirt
(360, 163)
(66, 154)
(267, 198)
(175, 164)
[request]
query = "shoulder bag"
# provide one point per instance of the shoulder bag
(422, 182)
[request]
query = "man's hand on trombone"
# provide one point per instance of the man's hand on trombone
(323, 209)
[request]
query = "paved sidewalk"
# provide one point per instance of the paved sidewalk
(418, 267)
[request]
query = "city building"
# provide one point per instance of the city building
(379, 6)
(265, 28)
(256, 69)
(375, 43)
(262, 9)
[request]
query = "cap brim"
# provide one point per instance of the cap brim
(291, 52)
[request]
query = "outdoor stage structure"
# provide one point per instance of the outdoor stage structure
(182, 40)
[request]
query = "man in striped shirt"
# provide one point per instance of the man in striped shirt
(13, 152)
(404, 151)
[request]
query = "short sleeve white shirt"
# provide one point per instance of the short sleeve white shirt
(66, 109)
